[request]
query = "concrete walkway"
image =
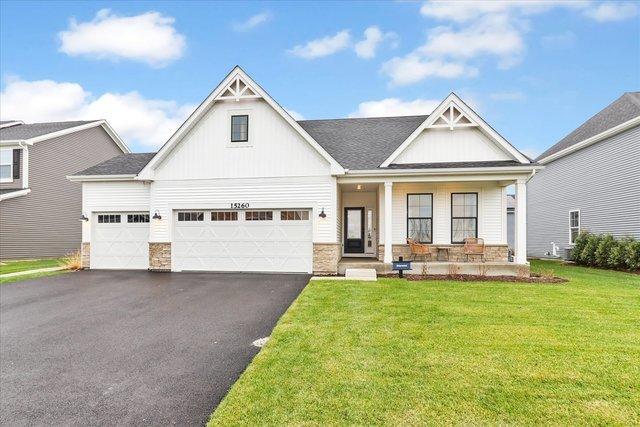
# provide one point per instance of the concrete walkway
(23, 273)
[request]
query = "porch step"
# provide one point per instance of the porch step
(366, 274)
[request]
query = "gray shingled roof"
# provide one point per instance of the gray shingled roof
(124, 164)
(483, 164)
(621, 110)
(362, 143)
(32, 130)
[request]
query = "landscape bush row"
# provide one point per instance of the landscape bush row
(605, 251)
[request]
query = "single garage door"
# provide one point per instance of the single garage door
(120, 241)
(259, 240)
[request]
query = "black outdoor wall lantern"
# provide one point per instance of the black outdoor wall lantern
(322, 214)
(157, 215)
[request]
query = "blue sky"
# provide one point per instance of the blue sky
(534, 70)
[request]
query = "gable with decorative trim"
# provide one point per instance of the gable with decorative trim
(272, 147)
(236, 87)
(453, 132)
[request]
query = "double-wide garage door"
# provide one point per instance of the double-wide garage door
(252, 240)
(120, 241)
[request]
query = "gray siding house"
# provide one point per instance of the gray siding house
(591, 182)
(39, 207)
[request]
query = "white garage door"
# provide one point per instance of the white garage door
(260, 240)
(120, 241)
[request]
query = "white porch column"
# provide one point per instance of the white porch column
(388, 222)
(521, 222)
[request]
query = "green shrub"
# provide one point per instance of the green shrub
(588, 254)
(632, 258)
(617, 256)
(607, 242)
(578, 246)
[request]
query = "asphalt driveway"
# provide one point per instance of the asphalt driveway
(122, 347)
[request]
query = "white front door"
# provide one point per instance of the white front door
(261, 240)
(120, 241)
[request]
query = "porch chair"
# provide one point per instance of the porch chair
(473, 246)
(419, 249)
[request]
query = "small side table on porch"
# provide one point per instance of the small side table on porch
(442, 249)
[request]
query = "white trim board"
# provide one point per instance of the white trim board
(14, 194)
(465, 109)
(237, 73)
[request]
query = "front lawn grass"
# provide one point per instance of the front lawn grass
(22, 278)
(25, 265)
(440, 352)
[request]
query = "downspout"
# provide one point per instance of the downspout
(25, 164)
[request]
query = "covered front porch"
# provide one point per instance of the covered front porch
(434, 210)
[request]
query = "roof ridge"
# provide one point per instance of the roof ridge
(364, 118)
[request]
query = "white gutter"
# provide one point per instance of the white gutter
(25, 165)
(14, 194)
(445, 171)
(100, 178)
(589, 141)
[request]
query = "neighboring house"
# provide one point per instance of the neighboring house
(39, 207)
(242, 186)
(591, 181)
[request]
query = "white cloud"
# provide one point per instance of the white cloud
(138, 120)
(324, 46)
(373, 37)
(490, 35)
(413, 68)
(561, 40)
(395, 107)
(507, 96)
(467, 10)
(295, 114)
(612, 11)
(252, 22)
(149, 38)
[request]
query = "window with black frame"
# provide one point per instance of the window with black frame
(464, 216)
(420, 217)
(240, 128)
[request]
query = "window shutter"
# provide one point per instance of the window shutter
(16, 164)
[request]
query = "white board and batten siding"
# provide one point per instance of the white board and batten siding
(275, 169)
(601, 180)
(125, 196)
(491, 210)
(274, 148)
(458, 145)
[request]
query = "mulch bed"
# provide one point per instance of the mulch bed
(535, 278)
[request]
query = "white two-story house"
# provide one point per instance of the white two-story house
(242, 186)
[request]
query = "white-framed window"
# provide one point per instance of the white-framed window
(6, 165)
(574, 225)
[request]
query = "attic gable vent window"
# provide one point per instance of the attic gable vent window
(240, 128)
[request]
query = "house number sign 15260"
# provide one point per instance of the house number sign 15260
(239, 205)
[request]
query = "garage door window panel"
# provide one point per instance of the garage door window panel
(294, 215)
(137, 218)
(190, 216)
(109, 219)
(258, 215)
(224, 216)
